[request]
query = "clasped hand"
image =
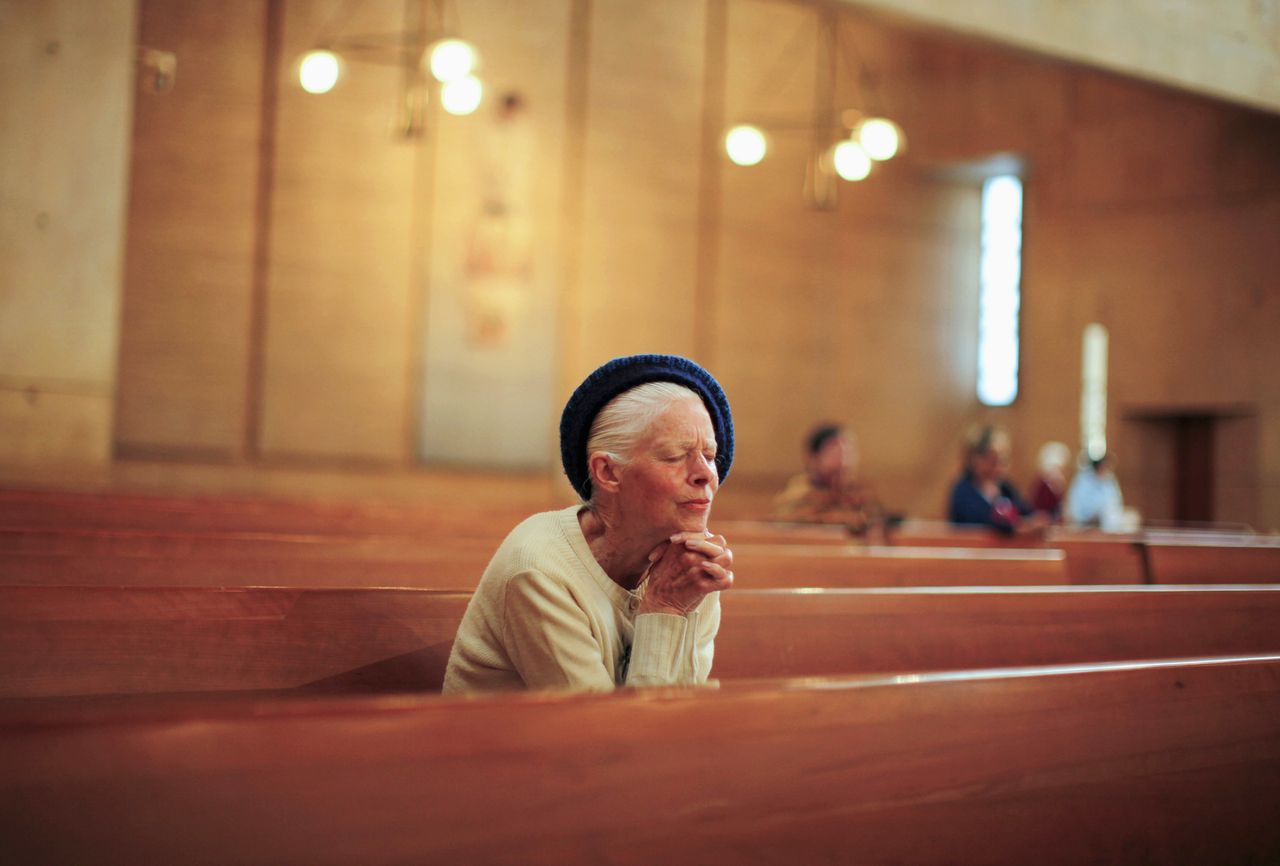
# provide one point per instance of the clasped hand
(684, 569)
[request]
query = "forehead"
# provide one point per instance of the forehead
(683, 419)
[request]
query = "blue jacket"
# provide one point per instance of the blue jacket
(969, 507)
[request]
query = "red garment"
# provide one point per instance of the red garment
(1046, 497)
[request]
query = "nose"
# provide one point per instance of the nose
(703, 472)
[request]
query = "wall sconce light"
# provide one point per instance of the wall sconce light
(846, 143)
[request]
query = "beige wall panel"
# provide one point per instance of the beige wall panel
(491, 356)
(839, 314)
(54, 429)
(1223, 48)
(638, 246)
(769, 284)
(189, 265)
(337, 332)
(66, 88)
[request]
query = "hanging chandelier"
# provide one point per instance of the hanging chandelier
(845, 142)
(429, 50)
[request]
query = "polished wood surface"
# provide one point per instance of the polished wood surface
(64, 641)
(1170, 763)
(804, 633)
(790, 566)
(111, 640)
(445, 513)
(1254, 560)
(459, 564)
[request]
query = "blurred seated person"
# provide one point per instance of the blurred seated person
(828, 490)
(984, 496)
(623, 587)
(1094, 496)
(1051, 483)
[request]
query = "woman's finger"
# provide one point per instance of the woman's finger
(704, 546)
(657, 552)
(721, 575)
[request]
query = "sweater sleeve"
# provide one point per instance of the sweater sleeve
(549, 637)
(672, 650)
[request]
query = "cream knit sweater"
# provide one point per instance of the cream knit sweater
(545, 615)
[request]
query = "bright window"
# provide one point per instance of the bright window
(1000, 290)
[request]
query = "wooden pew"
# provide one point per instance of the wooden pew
(63, 641)
(1098, 558)
(157, 559)
(453, 515)
(792, 566)
(133, 514)
(1093, 557)
(1170, 763)
(1242, 559)
(780, 633)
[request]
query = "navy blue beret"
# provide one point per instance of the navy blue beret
(623, 374)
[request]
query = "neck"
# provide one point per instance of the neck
(624, 556)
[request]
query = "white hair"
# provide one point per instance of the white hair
(1054, 457)
(625, 419)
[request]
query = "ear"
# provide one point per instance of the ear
(604, 472)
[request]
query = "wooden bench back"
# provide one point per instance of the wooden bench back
(792, 566)
(1170, 763)
(1252, 560)
(150, 559)
(60, 641)
(452, 517)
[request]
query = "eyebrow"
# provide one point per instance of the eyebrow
(688, 445)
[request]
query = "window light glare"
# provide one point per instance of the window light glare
(851, 161)
(745, 144)
(1000, 296)
(452, 60)
(462, 96)
(319, 71)
(880, 138)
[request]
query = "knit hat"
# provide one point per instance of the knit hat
(623, 374)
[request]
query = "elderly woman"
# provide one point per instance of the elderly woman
(984, 495)
(622, 589)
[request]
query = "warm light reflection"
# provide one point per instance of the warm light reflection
(745, 144)
(1093, 392)
(319, 71)
(1000, 292)
(462, 96)
(879, 137)
(851, 161)
(451, 60)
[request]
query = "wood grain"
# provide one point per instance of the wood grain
(1173, 763)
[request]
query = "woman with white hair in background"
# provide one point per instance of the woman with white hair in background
(623, 588)
(1051, 483)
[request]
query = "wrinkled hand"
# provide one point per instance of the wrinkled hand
(684, 569)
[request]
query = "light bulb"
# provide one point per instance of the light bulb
(851, 161)
(462, 96)
(319, 71)
(745, 144)
(879, 137)
(452, 59)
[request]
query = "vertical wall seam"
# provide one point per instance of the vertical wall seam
(250, 448)
(577, 75)
(421, 223)
(714, 83)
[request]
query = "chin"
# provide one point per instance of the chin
(693, 522)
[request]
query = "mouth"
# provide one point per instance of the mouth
(696, 504)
